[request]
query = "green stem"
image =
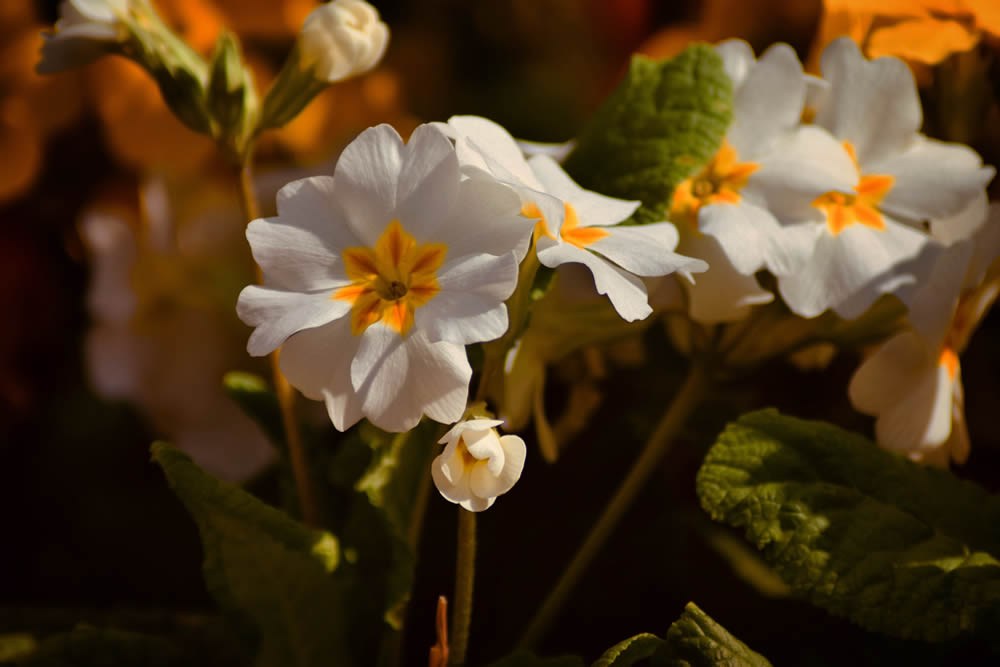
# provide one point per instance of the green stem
(286, 395)
(465, 572)
(686, 400)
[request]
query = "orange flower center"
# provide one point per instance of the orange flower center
(844, 209)
(719, 182)
(570, 232)
(389, 282)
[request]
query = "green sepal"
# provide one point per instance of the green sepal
(230, 97)
(663, 122)
(271, 575)
(898, 548)
(290, 92)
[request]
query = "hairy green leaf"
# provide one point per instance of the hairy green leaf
(896, 547)
(696, 640)
(664, 121)
(269, 573)
(630, 651)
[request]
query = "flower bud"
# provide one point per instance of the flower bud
(342, 39)
(338, 40)
(477, 464)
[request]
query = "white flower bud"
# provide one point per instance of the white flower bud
(477, 464)
(342, 39)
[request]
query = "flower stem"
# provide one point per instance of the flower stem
(465, 571)
(686, 400)
(286, 395)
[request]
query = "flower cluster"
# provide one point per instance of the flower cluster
(375, 279)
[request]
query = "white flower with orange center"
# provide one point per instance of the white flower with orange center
(376, 278)
(477, 464)
(889, 185)
(768, 167)
(912, 383)
(573, 224)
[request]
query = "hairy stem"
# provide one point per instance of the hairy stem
(465, 571)
(286, 395)
(686, 400)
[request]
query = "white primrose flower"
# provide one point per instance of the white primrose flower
(477, 464)
(888, 186)
(912, 383)
(341, 39)
(574, 224)
(376, 278)
(85, 31)
(769, 169)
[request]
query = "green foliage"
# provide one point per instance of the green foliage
(255, 397)
(896, 547)
(90, 647)
(664, 121)
(695, 640)
(630, 651)
(270, 574)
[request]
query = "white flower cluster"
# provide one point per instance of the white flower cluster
(375, 279)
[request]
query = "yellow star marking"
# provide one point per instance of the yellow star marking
(390, 282)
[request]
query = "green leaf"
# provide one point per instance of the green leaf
(896, 547)
(664, 121)
(529, 659)
(630, 651)
(696, 640)
(91, 647)
(268, 572)
(254, 396)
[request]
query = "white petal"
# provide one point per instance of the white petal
(492, 148)
(486, 219)
(484, 445)
(278, 314)
(458, 429)
(400, 379)
(721, 294)
(737, 59)
(301, 253)
(743, 231)
(365, 181)
(874, 105)
(626, 292)
(483, 483)
(646, 250)
(932, 179)
(317, 363)
(922, 418)
(428, 182)
(889, 373)
(932, 302)
(769, 102)
(450, 478)
(962, 225)
(849, 271)
(515, 453)
(557, 152)
(592, 208)
(805, 164)
(469, 308)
